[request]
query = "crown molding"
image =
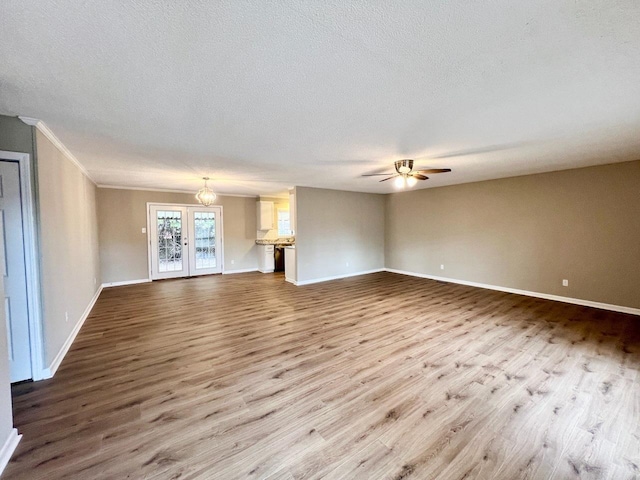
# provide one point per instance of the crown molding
(167, 190)
(46, 131)
(279, 197)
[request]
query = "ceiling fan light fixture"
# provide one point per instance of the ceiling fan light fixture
(405, 175)
(205, 195)
(404, 166)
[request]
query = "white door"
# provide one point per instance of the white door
(205, 240)
(169, 242)
(15, 280)
(185, 241)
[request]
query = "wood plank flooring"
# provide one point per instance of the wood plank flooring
(382, 376)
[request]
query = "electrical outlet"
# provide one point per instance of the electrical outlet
(95, 281)
(66, 316)
(441, 267)
(347, 264)
(144, 230)
(565, 283)
(232, 262)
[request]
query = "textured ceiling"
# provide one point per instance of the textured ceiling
(266, 95)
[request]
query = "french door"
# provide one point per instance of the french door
(185, 240)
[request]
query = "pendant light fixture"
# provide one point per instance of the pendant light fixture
(205, 195)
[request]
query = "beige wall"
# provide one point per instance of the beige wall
(15, 135)
(123, 247)
(68, 232)
(335, 228)
(527, 233)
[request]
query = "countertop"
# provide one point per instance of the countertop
(276, 241)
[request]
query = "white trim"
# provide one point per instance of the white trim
(125, 282)
(8, 448)
(167, 190)
(33, 271)
(546, 296)
(51, 371)
(282, 196)
(335, 277)
(46, 131)
(243, 270)
(164, 204)
(32, 264)
(149, 272)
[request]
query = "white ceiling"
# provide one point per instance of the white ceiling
(266, 95)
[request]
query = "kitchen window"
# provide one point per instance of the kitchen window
(284, 224)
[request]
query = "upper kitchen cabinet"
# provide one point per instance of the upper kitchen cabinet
(264, 214)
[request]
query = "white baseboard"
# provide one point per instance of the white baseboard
(51, 370)
(266, 271)
(126, 282)
(336, 277)
(8, 448)
(546, 296)
(245, 270)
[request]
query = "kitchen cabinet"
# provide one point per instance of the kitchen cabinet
(264, 215)
(266, 262)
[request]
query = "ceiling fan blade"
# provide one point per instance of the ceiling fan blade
(388, 178)
(435, 170)
(375, 174)
(478, 151)
(419, 177)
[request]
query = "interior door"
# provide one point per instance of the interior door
(14, 271)
(205, 247)
(169, 242)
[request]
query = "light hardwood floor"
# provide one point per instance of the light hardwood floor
(379, 376)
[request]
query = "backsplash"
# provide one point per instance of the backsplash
(267, 234)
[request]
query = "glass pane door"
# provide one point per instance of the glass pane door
(205, 223)
(169, 242)
(205, 238)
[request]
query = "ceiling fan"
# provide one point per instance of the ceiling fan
(406, 175)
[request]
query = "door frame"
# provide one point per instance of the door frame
(32, 266)
(153, 248)
(164, 204)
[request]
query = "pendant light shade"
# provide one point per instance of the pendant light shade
(205, 195)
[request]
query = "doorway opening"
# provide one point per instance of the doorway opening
(184, 240)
